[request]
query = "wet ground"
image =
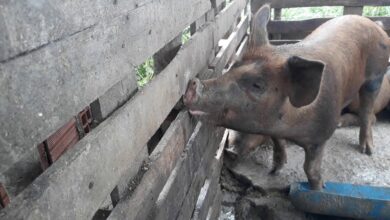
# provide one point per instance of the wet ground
(251, 193)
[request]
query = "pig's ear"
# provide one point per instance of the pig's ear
(304, 80)
(259, 35)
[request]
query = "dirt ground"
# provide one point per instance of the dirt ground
(251, 193)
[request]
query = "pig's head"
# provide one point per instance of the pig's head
(257, 92)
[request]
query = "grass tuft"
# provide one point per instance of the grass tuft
(145, 72)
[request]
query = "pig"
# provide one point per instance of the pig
(242, 144)
(381, 102)
(296, 92)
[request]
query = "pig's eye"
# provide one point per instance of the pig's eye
(255, 85)
(237, 64)
(258, 86)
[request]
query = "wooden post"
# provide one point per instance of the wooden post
(350, 10)
(277, 17)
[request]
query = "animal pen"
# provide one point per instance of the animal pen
(79, 139)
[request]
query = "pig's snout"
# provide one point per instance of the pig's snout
(194, 90)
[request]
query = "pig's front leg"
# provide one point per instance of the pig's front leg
(312, 165)
(279, 155)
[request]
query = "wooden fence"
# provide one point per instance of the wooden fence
(291, 31)
(138, 155)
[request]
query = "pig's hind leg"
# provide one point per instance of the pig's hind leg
(367, 94)
(279, 155)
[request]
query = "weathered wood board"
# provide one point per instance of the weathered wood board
(117, 137)
(309, 25)
(161, 162)
(313, 3)
(45, 87)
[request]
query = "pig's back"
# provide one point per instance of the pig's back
(354, 50)
(345, 30)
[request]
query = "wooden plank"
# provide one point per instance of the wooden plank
(217, 5)
(116, 96)
(27, 25)
(41, 90)
(119, 137)
(227, 17)
(277, 17)
(162, 161)
(313, 3)
(19, 175)
(206, 197)
(187, 168)
(205, 170)
(215, 209)
(198, 23)
(211, 185)
(277, 14)
(175, 189)
(229, 46)
(44, 23)
(238, 55)
(241, 49)
(122, 187)
(309, 25)
(353, 10)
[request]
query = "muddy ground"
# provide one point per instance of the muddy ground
(251, 193)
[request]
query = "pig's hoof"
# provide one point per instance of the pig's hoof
(368, 151)
(317, 185)
(363, 149)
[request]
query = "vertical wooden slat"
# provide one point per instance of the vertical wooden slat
(277, 17)
(351, 10)
(277, 14)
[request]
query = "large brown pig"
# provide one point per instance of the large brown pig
(241, 144)
(296, 92)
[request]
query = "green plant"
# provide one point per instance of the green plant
(185, 36)
(376, 11)
(145, 72)
(311, 12)
(329, 11)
